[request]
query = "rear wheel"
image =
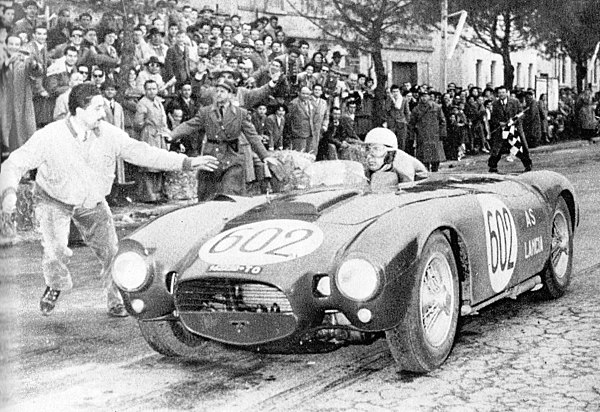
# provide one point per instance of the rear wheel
(170, 338)
(424, 338)
(556, 277)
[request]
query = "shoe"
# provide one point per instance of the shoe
(493, 170)
(527, 169)
(48, 301)
(117, 311)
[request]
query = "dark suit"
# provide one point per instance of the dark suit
(342, 130)
(397, 120)
(223, 138)
(501, 114)
(275, 131)
(177, 64)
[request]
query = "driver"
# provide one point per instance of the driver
(386, 164)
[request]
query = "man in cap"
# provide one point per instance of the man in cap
(224, 126)
(428, 123)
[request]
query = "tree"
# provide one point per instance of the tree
(574, 28)
(501, 27)
(369, 26)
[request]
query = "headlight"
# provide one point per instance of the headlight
(130, 271)
(357, 279)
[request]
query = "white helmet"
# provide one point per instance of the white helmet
(381, 135)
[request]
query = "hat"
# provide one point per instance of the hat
(336, 54)
(154, 31)
(451, 86)
(154, 59)
(227, 85)
(207, 8)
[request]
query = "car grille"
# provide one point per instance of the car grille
(230, 295)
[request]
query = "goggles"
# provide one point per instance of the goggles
(377, 150)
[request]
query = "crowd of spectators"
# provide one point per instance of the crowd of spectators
(300, 97)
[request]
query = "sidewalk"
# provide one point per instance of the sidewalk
(131, 216)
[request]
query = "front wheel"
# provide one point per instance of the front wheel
(556, 276)
(424, 338)
(170, 338)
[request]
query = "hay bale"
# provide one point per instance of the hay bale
(181, 185)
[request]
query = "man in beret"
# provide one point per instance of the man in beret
(224, 127)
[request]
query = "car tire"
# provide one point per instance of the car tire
(416, 347)
(170, 338)
(556, 276)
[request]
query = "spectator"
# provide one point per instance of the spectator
(302, 128)
(71, 188)
(503, 110)
(543, 105)
(188, 106)
(159, 49)
(532, 123)
(58, 76)
(275, 125)
(397, 115)
(587, 118)
(17, 113)
(113, 109)
(60, 33)
(142, 51)
(177, 63)
(337, 139)
(108, 58)
(85, 21)
(98, 77)
(61, 107)
(28, 23)
(152, 72)
(429, 126)
(151, 123)
(321, 116)
(37, 48)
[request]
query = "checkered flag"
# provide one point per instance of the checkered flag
(510, 133)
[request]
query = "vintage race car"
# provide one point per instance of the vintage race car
(335, 262)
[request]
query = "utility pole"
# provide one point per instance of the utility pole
(444, 57)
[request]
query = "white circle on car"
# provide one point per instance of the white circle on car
(500, 240)
(263, 243)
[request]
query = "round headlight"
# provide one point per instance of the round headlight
(130, 271)
(357, 279)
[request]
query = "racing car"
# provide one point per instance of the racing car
(334, 262)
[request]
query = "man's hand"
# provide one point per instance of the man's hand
(207, 163)
(9, 203)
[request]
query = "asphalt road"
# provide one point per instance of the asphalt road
(522, 354)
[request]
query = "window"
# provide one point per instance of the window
(478, 73)
(530, 79)
(518, 74)
(563, 73)
(493, 73)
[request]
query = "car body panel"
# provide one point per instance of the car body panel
(283, 244)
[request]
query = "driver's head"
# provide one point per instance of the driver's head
(381, 148)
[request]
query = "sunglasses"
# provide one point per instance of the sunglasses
(76, 35)
(154, 65)
(325, 70)
(83, 71)
(98, 75)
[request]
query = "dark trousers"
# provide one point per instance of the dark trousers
(498, 143)
(231, 181)
(400, 131)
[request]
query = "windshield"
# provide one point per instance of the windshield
(301, 172)
(345, 173)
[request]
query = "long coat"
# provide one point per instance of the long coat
(428, 122)
(177, 64)
(17, 113)
(275, 131)
(321, 121)
(151, 121)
